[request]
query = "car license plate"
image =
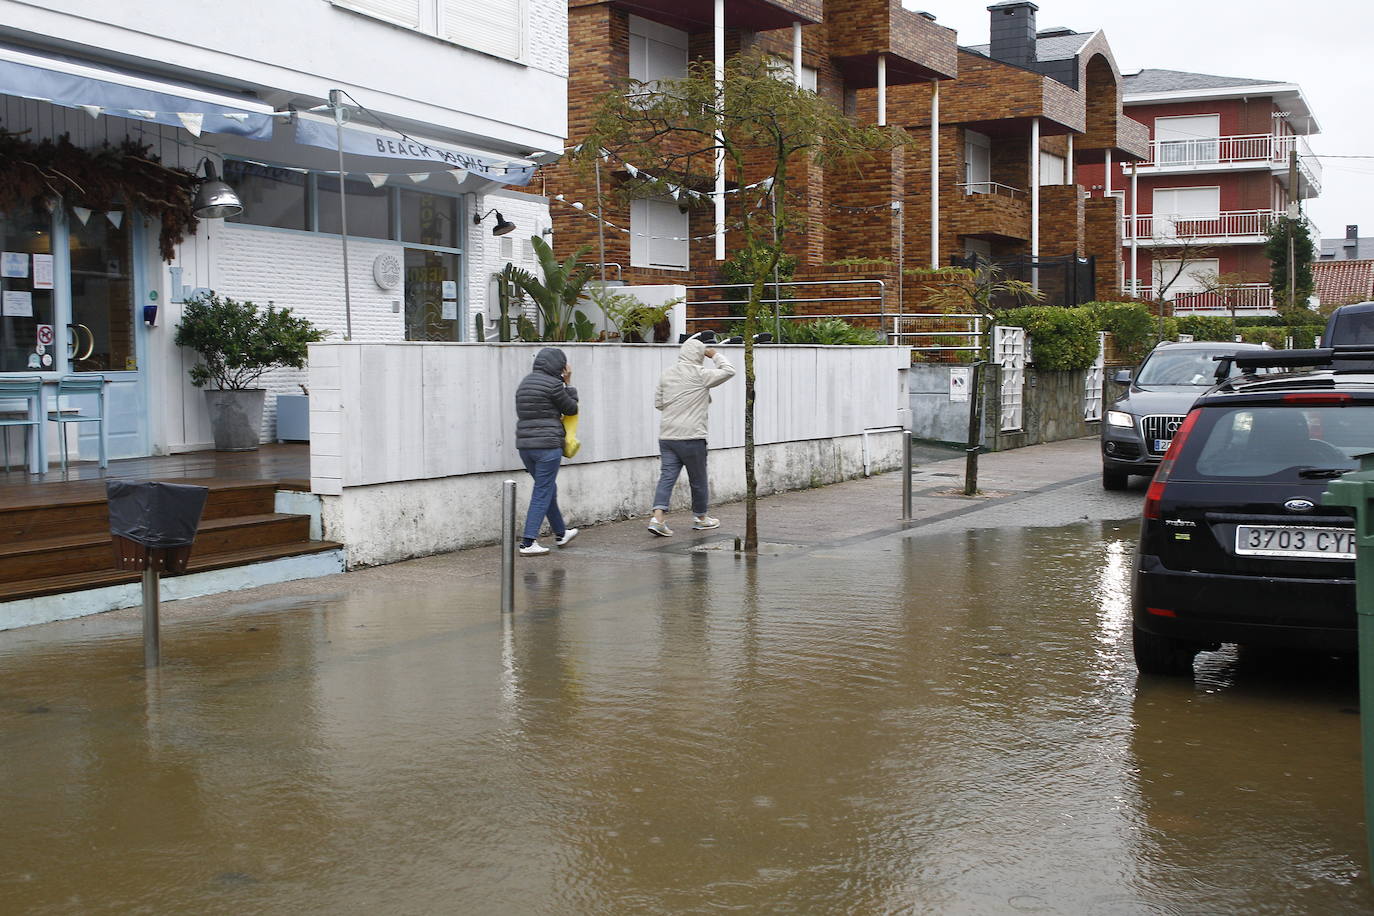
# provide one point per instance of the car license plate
(1285, 541)
(1162, 445)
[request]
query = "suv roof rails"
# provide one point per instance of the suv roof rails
(1280, 359)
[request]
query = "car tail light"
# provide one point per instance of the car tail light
(1166, 466)
(1160, 612)
(1317, 397)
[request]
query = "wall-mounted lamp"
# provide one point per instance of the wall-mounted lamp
(150, 315)
(214, 198)
(502, 227)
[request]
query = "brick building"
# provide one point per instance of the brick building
(1011, 117)
(1217, 174)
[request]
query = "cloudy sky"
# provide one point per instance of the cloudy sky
(1325, 46)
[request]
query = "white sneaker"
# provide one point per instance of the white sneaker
(567, 536)
(534, 550)
(660, 528)
(704, 522)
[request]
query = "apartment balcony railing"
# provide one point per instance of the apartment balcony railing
(1229, 225)
(1242, 299)
(992, 187)
(1243, 149)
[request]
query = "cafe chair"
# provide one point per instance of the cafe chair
(31, 390)
(69, 385)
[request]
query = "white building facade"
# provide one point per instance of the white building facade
(446, 104)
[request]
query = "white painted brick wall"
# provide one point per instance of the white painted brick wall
(548, 35)
(530, 214)
(304, 272)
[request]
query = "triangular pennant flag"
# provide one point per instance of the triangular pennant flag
(143, 113)
(377, 180)
(418, 177)
(458, 175)
(239, 116)
(634, 172)
(115, 217)
(577, 204)
(676, 192)
(92, 110)
(82, 214)
(558, 197)
(576, 149)
(191, 120)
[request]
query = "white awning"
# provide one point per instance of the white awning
(375, 150)
(100, 90)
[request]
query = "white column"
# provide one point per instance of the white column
(1135, 230)
(796, 55)
(719, 37)
(1070, 173)
(934, 174)
(1035, 187)
(882, 90)
(1107, 180)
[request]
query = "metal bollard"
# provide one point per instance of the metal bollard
(152, 645)
(906, 474)
(508, 547)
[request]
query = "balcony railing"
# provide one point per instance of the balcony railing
(1243, 299)
(1200, 152)
(1162, 229)
(992, 187)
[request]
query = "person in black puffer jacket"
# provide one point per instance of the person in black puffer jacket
(542, 400)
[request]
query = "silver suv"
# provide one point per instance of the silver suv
(1138, 428)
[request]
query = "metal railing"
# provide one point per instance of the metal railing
(1242, 299)
(991, 187)
(1151, 227)
(880, 312)
(1238, 149)
(950, 333)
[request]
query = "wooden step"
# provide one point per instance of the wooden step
(74, 582)
(75, 553)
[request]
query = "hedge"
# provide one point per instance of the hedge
(1063, 338)
(1131, 325)
(1208, 327)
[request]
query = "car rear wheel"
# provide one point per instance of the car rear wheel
(1114, 480)
(1160, 654)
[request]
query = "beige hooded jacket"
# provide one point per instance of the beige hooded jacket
(683, 394)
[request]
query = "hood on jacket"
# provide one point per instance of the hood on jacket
(551, 360)
(693, 351)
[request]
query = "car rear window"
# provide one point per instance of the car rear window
(1278, 443)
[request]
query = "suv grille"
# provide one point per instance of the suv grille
(1157, 428)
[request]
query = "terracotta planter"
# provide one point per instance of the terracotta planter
(236, 418)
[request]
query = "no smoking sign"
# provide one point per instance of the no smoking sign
(45, 335)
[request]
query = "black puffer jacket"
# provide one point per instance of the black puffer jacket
(542, 400)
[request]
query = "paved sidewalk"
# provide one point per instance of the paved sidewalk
(1051, 484)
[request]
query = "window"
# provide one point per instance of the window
(430, 219)
(977, 163)
(271, 196)
(1174, 276)
(1187, 140)
(781, 68)
(369, 208)
(1053, 169)
(493, 26)
(658, 234)
(27, 307)
(657, 52)
(1186, 212)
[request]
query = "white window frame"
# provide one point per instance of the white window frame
(982, 143)
(1192, 139)
(1187, 281)
(432, 17)
(780, 68)
(653, 41)
(658, 235)
(1054, 168)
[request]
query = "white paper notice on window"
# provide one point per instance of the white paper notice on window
(450, 289)
(450, 310)
(17, 304)
(14, 264)
(959, 379)
(42, 271)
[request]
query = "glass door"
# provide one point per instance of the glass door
(432, 308)
(29, 337)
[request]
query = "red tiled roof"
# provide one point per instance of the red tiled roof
(1340, 282)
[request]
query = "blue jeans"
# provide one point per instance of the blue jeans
(675, 455)
(543, 464)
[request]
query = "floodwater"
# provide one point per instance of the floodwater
(937, 724)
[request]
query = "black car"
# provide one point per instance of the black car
(1235, 544)
(1137, 429)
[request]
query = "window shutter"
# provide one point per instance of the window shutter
(668, 248)
(401, 12)
(639, 229)
(493, 26)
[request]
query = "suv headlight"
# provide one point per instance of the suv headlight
(1120, 418)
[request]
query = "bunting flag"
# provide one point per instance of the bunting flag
(115, 217)
(377, 180)
(192, 121)
(82, 214)
(92, 110)
(418, 177)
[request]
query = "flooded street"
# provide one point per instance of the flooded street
(942, 721)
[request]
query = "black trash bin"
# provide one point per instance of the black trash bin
(153, 523)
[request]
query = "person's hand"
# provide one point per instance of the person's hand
(567, 374)
(710, 352)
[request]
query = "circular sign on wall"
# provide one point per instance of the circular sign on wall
(386, 271)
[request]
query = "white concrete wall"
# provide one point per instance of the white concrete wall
(381, 413)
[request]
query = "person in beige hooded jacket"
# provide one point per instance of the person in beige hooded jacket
(683, 397)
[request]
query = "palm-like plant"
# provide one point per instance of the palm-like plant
(558, 294)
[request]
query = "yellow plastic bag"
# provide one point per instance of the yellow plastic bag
(570, 443)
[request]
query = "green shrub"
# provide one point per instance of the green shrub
(237, 342)
(1207, 327)
(1131, 325)
(1061, 338)
(1305, 335)
(829, 331)
(1274, 337)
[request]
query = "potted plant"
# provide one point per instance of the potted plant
(237, 343)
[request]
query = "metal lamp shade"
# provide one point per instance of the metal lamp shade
(214, 198)
(503, 226)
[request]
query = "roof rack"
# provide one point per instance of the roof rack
(1280, 359)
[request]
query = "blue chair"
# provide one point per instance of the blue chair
(76, 385)
(31, 389)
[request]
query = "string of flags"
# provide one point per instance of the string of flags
(578, 205)
(193, 121)
(677, 191)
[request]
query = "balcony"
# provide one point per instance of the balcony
(1230, 227)
(916, 49)
(988, 210)
(1242, 151)
(1242, 299)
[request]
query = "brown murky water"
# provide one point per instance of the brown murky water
(940, 724)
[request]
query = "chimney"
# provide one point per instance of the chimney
(1013, 32)
(1352, 232)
